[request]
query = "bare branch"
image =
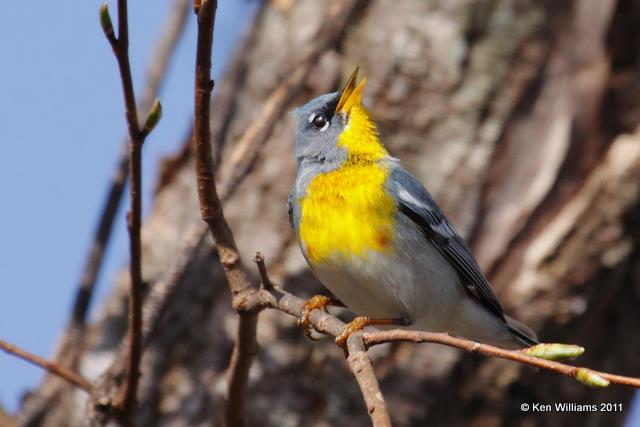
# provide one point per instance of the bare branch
(262, 269)
(126, 399)
(69, 348)
(241, 160)
(362, 369)
(584, 375)
(245, 349)
(156, 72)
(212, 214)
(51, 367)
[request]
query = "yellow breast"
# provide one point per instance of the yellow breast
(348, 212)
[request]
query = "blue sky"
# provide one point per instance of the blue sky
(61, 128)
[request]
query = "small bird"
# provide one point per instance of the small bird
(375, 237)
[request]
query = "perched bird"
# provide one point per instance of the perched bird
(376, 239)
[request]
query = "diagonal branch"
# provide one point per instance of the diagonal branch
(585, 375)
(51, 367)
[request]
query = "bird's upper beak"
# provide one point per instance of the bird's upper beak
(351, 94)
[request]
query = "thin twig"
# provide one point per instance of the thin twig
(125, 401)
(380, 337)
(51, 367)
(262, 269)
(70, 347)
(210, 205)
(239, 165)
(156, 71)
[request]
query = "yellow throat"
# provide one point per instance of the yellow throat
(347, 212)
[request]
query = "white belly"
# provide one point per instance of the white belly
(418, 285)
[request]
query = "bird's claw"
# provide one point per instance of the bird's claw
(319, 302)
(360, 322)
(354, 326)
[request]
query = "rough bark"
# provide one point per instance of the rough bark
(521, 118)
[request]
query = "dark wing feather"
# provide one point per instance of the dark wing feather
(290, 209)
(418, 205)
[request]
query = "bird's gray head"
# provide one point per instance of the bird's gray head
(318, 128)
(320, 123)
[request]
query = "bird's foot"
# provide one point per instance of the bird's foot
(359, 323)
(319, 302)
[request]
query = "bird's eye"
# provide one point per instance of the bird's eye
(319, 121)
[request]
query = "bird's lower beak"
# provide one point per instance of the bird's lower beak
(351, 94)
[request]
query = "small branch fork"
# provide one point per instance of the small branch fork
(125, 400)
(271, 296)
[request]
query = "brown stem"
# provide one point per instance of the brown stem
(70, 347)
(155, 76)
(125, 401)
(362, 369)
(380, 337)
(262, 269)
(212, 214)
(246, 347)
(161, 293)
(52, 367)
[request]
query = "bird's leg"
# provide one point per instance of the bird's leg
(360, 322)
(319, 302)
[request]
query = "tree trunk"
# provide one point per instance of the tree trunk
(520, 116)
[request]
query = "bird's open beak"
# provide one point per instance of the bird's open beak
(351, 94)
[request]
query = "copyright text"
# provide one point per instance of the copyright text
(570, 407)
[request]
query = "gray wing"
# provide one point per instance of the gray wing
(415, 202)
(290, 209)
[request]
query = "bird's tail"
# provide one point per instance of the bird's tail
(522, 334)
